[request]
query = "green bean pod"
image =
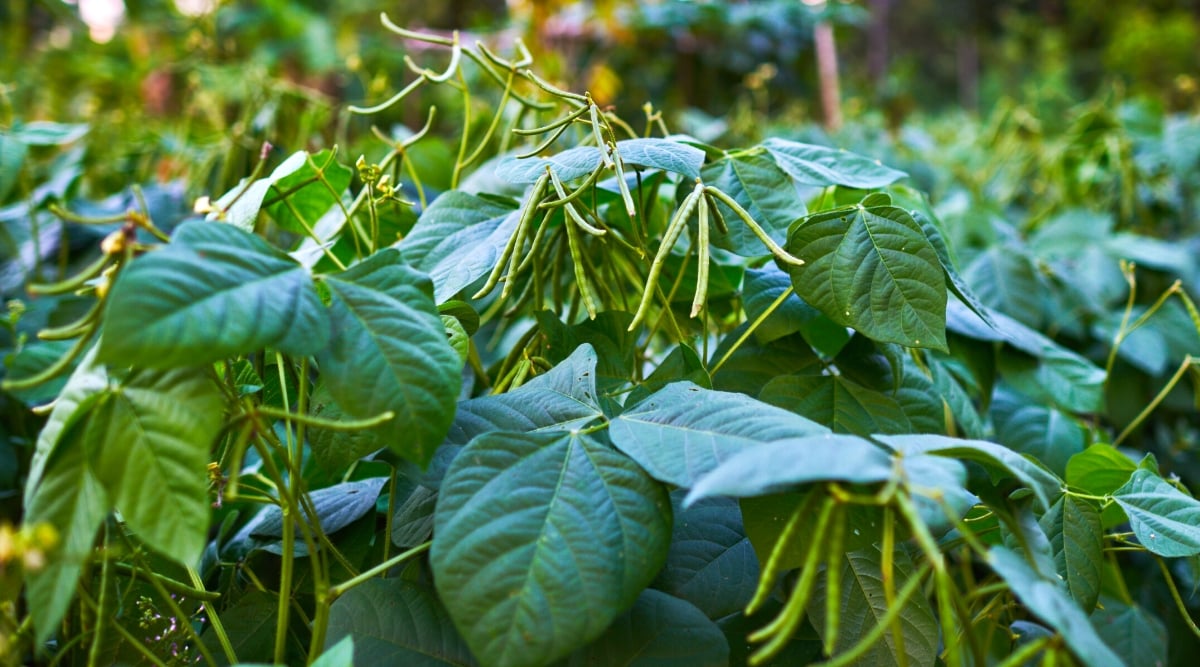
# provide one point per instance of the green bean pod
(674, 229)
(703, 251)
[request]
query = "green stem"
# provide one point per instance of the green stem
(1187, 362)
(751, 329)
(382, 568)
(1179, 603)
(214, 619)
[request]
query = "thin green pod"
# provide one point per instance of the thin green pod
(78, 327)
(771, 569)
(781, 254)
(585, 291)
(626, 195)
(674, 229)
(833, 579)
(535, 244)
(718, 216)
(509, 248)
(703, 252)
(565, 120)
(592, 177)
(557, 92)
(545, 144)
(74, 282)
(598, 133)
(569, 209)
(53, 370)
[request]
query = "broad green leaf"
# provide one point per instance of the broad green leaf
(1059, 376)
(1132, 632)
(662, 154)
(336, 507)
(872, 269)
(781, 465)
(12, 158)
(846, 406)
(71, 499)
(458, 239)
(250, 625)
(823, 166)
(752, 365)
(213, 292)
(1046, 600)
(340, 654)
(608, 334)
(938, 485)
(1099, 470)
(711, 562)
(240, 206)
(966, 416)
(763, 190)
(1077, 542)
(541, 540)
(659, 631)
(999, 461)
(863, 604)
(1169, 256)
(563, 399)
(457, 336)
(569, 165)
(919, 399)
(388, 351)
(396, 622)
(309, 192)
(335, 451)
(682, 432)
(87, 380)
(1164, 519)
(149, 441)
(1046, 434)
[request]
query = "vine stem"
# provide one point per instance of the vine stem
(1183, 610)
(336, 591)
(754, 326)
(1183, 367)
(214, 619)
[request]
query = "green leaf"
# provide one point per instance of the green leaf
(1165, 520)
(388, 351)
(711, 562)
(12, 158)
(752, 365)
(781, 465)
(1133, 633)
(846, 406)
(863, 604)
(71, 499)
(957, 284)
(682, 432)
(213, 292)
(340, 654)
(872, 269)
(458, 239)
(919, 399)
(1049, 602)
(250, 624)
(457, 336)
(302, 196)
(336, 507)
(396, 622)
(1076, 539)
(149, 441)
(823, 166)
(1046, 434)
(681, 364)
(240, 206)
(662, 154)
(999, 461)
(335, 451)
(541, 540)
(966, 415)
(659, 631)
(88, 380)
(763, 190)
(1099, 470)
(569, 165)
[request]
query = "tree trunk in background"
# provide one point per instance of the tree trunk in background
(827, 70)
(877, 41)
(967, 50)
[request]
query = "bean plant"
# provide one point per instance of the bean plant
(615, 397)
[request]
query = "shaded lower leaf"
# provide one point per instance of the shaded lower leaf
(1134, 633)
(1077, 542)
(396, 622)
(659, 631)
(711, 563)
(541, 540)
(863, 604)
(844, 405)
(336, 506)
